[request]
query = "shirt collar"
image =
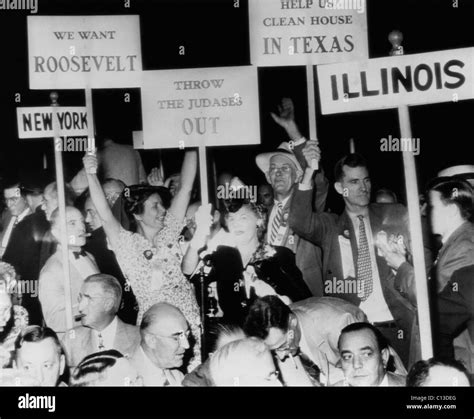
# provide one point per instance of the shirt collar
(23, 214)
(108, 334)
(283, 202)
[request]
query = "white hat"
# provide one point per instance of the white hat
(284, 149)
(465, 171)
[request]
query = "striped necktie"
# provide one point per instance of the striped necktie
(276, 223)
(364, 264)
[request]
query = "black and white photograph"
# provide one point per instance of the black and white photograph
(236, 195)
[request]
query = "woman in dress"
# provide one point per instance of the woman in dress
(252, 268)
(150, 257)
(13, 318)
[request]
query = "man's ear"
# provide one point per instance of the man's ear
(385, 357)
(62, 364)
(56, 233)
(338, 188)
(149, 339)
(109, 303)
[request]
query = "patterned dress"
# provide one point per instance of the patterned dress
(154, 273)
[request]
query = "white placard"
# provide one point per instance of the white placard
(38, 122)
(75, 52)
(137, 140)
(301, 32)
(441, 76)
(202, 106)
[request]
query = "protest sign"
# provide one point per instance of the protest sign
(302, 32)
(78, 52)
(417, 79)
(202, 106)
(38, 122)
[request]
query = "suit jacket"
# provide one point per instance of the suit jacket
(321, 321)
(394, 380)
(152, 375)
(456, 309)
(327, 229)
(457, 252)
(79, 342)
(52, 294)
(107, 264)
(308, 255)
(23, 253)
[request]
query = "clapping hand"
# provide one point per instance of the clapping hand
(392, 249)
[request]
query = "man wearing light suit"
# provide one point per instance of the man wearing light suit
(99, 301)
(51, 281)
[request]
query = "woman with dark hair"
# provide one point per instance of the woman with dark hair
(105, 369)
(150, 257)
(13, 318)
(252, 268)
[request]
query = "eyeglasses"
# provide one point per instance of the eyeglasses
(89, 298)
(282, 169)
(179, 337)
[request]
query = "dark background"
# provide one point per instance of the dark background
(215, 33)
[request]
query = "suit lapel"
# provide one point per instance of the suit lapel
(345, 228)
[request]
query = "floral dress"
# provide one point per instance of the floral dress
(154, 273)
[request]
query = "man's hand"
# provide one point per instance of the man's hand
(154, 178)
(286, 118)
(392, 249)
(91, 164)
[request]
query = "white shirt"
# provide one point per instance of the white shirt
(375, 307)
(13, 222)
(282, 230)
(108, 336)
(155, 376)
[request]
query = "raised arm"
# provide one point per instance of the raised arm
(180, 202)
(110, 223)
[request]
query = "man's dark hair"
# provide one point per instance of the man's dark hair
(455, 191)
(264, 313)
(14, 183)
(37, 334)
(351, 160)
(420, 370)
(93, 367)
(356, 327)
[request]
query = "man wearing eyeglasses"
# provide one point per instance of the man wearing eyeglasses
(17, 209)
(283, 169)
(101, 329)
(164, 341)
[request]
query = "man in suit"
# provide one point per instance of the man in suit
(164, 340)
(364, 358)
(352, 267)
(283, 170)
(17, 209)
(107, 263)
(101, 329)
(24, 249)
(308, 329)
(81, 265)
(39, 354)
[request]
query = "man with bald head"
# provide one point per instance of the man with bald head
(51, 280)
(164, 340)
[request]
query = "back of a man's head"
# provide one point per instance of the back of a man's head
(455, 191)
(438, 372)
(265, 313)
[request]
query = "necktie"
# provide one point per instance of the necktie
(310, 367)
(77, 255)
(276, 223)
(101, 342)
(364, 265)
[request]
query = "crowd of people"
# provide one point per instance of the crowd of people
(272, 291)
